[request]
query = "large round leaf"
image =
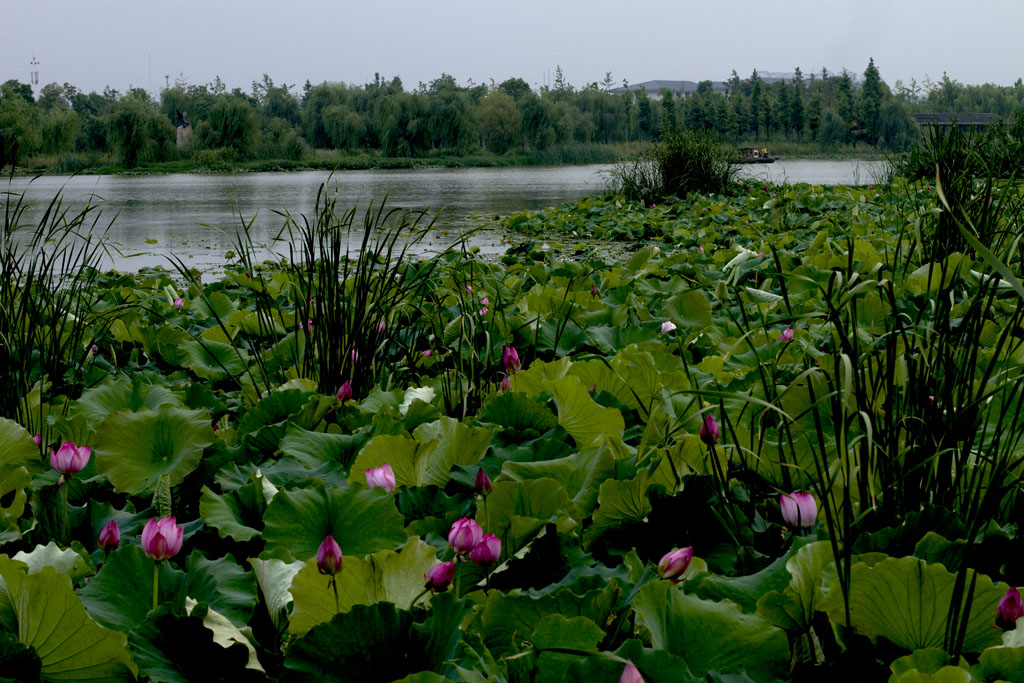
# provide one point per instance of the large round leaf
(362, 521)
(50, 619)
(98, 402)
(213, 360)
(133, 450)
(907, 601)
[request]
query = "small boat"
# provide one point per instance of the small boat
(754, 155)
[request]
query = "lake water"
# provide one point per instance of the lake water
(196, 217)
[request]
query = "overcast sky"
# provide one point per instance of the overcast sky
(125, 43)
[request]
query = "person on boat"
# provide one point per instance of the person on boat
(764, 151)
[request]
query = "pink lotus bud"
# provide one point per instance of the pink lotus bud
(382, 476)
(798, 509)
(506, 383)
(1009, 610)
(593, 290)
(667, 326)
(179, 304)
(511, 359)
(354, 356)
(328, 557)
(631, 674)
(483, 484)
(344, 391)
(931, 400)
(483, 310)
(592, 388)
(440, 576)
(428, 353)
(484, 301)
(94, 349)
(110, 536)
(69, 458)
(673, 564)
(465, 534)
(709, 431)
(469, 288)
(38, 438)
(786, 335)
(309, 325)
(161, 538)
(382, 327)
(487, 551)
(700, 249)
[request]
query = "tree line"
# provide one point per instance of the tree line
(281, 121)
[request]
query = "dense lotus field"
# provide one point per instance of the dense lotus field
(777, 437)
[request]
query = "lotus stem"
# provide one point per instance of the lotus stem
(156, 583)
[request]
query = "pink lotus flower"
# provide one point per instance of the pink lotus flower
(69, 458)
(440, 576)
(428, 353)
(506, 383)
(469, 288)
(38, 438)
(786, 335)
(798, 509)
(667, 326)
(464, 535)
(483, 310)
(673, 564)
(593, 290)
(179, 304)
(700, 250)
(511, 359)
(482, 484)
(344, 391)
(709, 431)
(631, 674)
(110, 536)
(382, 476)
(487, 551)
(161, 539)
(328, 557)
(484, 301)
(1009, 610)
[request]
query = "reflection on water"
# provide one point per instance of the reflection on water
(196, 217)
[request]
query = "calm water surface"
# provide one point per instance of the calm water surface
(196, 217)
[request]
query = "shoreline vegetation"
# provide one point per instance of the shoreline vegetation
(188, 127)
(333, 160)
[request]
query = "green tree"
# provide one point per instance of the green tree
(232, 124)
(138, 132)
(796, 107)
(668, 111)
(60, 129)
(500, 121)
(19, 123)
(345, 128)
(516, 88)
(871, 96)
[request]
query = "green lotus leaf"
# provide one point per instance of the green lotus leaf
(213, 360)
(314, 449)
(656, 666)
(618, 503)
(164, 341)
(275, 579)
(69, 562)
(16, 446)
(133, 450)
(427, 460)
(517, 411)
(387, 576)
(534, 379)
(50, 619)
(794, 607)
(926, 661)
(746, 591)
(558, 632)
(363, 643)
(906, 601)
(98, 402)
(172, 646)
(710, 635)
(689, 309)
(264, 425)
(517, 510)
(947, 674)
(18, 662)
(225, 633)
(361, 521)
(610, 339)
(581, 474)
(14, 482)
(236, 514)
(215, 305)
(584, 419)
(120, 596)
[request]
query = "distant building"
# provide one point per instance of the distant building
(681, 89)
(964, 121)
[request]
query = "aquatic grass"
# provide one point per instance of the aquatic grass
(49, 305)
